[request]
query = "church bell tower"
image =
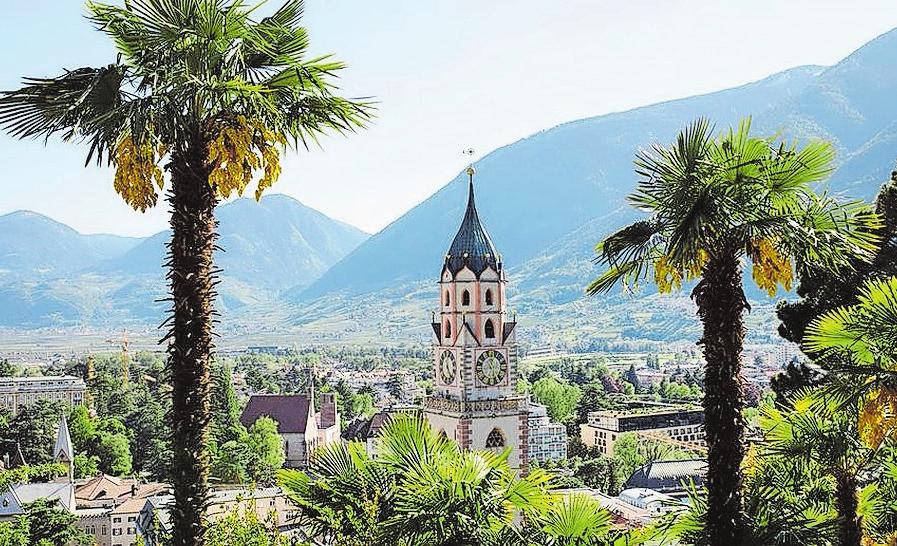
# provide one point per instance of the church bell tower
(475, 399)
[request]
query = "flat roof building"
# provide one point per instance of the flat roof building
(18, 392)
(677, 424)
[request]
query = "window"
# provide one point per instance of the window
(465, 298)
(490, 329)
(448, 329)
(448, 298)
(116, 520)
(495, 439)
(488, 297)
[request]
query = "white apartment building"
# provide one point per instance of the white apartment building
(547, 440)
(18, 392)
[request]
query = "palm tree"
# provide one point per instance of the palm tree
(819, 436)
(860, 342)
(422, 489)
(712, 203)
(213, 93)
(344, 499)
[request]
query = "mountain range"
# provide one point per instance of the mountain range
(545, 199)
(52, 275)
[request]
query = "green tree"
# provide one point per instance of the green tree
(632, 378)
(150, 439)
(560, 398)
(226, 425)
(231, 461)
(244, 529)
(15, 532)
(7, 369)
(34, 429)
(267, 449)
(209, 91)
(86, 466)
(713, 202)
(52, 525)
(82, 428)
(113, 453)
(820, 291)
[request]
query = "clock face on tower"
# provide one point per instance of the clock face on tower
(491, 367)
(448, 367)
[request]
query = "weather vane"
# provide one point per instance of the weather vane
(470, 170)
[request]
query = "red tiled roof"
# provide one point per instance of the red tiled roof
(289, 410)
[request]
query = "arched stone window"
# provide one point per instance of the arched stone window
(490, 329)
(465, 298)
(495, 440)
(448, 330)
(488, 297)
(448, 298)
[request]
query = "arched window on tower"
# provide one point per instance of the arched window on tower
(495, 440)
(465, 298)
(490, 329)
(488, 297)
(448, 330)
(448, 298)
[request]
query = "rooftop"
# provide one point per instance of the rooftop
(289, 410)
(472, 246)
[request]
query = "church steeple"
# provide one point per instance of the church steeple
(472, 247)
(63, 451)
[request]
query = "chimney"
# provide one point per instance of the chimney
(134, 488)
(329, 414)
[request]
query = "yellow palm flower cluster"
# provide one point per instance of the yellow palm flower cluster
(669, 277)
(878, 417)
(770, 267)
(137, 173)
(666, 275)
(241, 148)
(890, 540)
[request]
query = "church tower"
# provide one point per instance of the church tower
(62, 451)
(475, 350)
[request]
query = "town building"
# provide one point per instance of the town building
(269, 503)
(108, 507)
(300, 426)
(60, 490)
(547, 440)
(475, 399)
(678, 425)
(18, 392)
(669, 477)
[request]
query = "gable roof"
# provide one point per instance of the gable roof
(63, 450)
(103, 486)
(60, 492)
(289, 410)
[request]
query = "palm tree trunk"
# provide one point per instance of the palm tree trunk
(721, 305)
(850, 525)
(191, 277)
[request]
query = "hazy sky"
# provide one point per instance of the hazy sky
(449, 75)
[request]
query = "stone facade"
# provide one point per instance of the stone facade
(300, 426)
(475, 349)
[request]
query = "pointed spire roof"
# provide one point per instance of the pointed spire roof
(472, 246)
(63, 451)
